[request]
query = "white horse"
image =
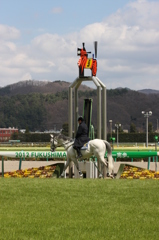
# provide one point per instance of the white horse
(96, 147)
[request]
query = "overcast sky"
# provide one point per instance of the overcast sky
(39, 40)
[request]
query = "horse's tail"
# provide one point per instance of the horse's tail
(109, 155)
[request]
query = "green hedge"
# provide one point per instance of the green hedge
(33, 137)
(133, 137)
(123, 137)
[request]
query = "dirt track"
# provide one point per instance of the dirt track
(14, 165)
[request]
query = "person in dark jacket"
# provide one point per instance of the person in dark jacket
(81, 136)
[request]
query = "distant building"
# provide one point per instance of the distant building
(22, 130)
(48, 131)
(5, 133)
(125, 130)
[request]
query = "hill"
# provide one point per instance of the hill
(149, 91)
(42, 106)
(35, 86)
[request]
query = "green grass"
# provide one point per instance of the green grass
(47, 148)
(79, 209)
(25, 148)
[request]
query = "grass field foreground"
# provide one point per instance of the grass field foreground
(79, 209)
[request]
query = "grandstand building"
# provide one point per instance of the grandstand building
(5, 133)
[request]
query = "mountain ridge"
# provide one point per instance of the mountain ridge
(34, 86)
(46, 106)
(46, 86)
(149, 91)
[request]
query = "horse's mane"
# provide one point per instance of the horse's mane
(64, 137)
(68, 145)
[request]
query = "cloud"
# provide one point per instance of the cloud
(128, 47)
(136, 13)
(7, 32)
(57, 10)
(26, 76)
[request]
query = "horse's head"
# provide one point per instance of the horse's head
(59, 140)
(53, 141)
(63, 140)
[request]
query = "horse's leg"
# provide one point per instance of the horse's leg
(52, 147)
(107, 166)
(111, 174)
(104, 163)
(99, 152)
(65, 167)
(77, 166)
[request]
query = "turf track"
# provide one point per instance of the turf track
(79, 209)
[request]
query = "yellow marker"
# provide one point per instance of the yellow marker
(89, 63)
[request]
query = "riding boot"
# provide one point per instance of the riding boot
(79, 154)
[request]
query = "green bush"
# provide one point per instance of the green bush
(133, 137)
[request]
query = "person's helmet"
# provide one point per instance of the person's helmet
(80, 118)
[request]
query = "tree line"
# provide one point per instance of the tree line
(40, 111)
(29, 110)
(123, 137)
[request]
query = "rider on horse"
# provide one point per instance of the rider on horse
(81, 136)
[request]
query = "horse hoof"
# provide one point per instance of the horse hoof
(111, 176)
(80, 174)
(100, 175)
(62, 176)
